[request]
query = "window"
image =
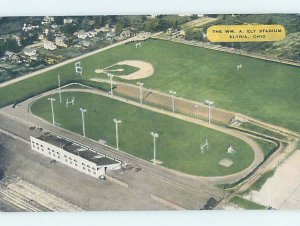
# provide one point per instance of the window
(83, 168)
(48, 149)
(58, 153)
(88, 166)
(83, 164)
(75, 164)
(89, 170)
(53, 151)
(93, 168)
(65, 156)
(75, 160)
(49, 153)
(94, 172)
(70, 158)
(53, 155)
(58, 157)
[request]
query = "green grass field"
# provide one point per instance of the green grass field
(178, 145)
(247, 204)
(261, 89)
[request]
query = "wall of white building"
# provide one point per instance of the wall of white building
(69, 159)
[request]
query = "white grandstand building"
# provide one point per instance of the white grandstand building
(74, 155)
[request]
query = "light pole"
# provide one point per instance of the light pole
(155, 135)
(117, 132)
(173, 100)
(111, 83)
(141, 94)
(59, 91)
(209, 103)
(82, 118)
(51, 100)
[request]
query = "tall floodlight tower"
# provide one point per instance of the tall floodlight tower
(111, 83)
(51, 100)
(141, 92)
(173, 100)
(82, 118)
(117, 132)
(59, 91)
(155, 135)
(209, 103)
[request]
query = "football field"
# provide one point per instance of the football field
(178, 145)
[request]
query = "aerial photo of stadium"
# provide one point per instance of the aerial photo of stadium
(181, 121)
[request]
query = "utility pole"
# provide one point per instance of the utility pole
(141, 93)
(82, 118)
(117, 132)
(173, 100)
(155, 135)
(59, 91)
(51, 100)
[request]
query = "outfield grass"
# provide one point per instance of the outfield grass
(178, 145)
(264, 90)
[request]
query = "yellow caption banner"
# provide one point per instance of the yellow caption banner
(245, 33)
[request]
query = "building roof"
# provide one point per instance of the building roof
(78, 149)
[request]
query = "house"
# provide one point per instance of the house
(110, 35)
(125, 34)
(59, 41)
(48, 19)
(29, 27)
(81, 34)
(91, 34)
(29, 51)
(68, 21)
(49, 45)
(12, 56)
(86, 43)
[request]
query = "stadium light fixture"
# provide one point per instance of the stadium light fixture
(117, 132)
(59, 90)
(155, 135)
(173, 100)
(51, 100)
(141, 94)
(82, 118)
(209, 103)
(111, 83)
